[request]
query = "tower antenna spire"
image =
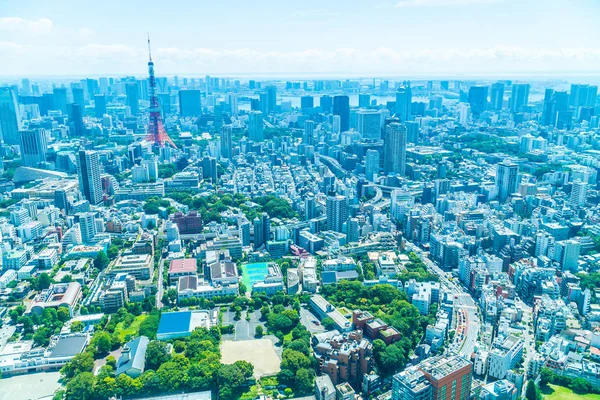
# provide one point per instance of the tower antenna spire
(149, 52)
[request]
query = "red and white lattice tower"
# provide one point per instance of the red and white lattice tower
(156, 130)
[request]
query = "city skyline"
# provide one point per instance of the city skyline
(408, 37)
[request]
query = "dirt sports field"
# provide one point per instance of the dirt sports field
(259, 352)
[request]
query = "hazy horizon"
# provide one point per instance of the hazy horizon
(420, 38)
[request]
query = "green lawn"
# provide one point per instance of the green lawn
(555, 392)
(132, 330)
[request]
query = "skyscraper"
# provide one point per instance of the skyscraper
(189, 103)
(364, 100)
(337, 212)
(75, 113)
(10, 118)
(478, 99)
(326, 102)
(34, 146)
(255, 126)
(578, 193)
(497, 96)
(341, 107)
(209, 169)
(133, 97)
(548, 108)
(100, 105)
(26, 87)
(404, 103)
(78, 97)
(369, 124)
(310, 207)
(394, 159)
(519, 97)
(87, 225)
(271, 92)
(262, 230)
(60, 99)
(506, 179)
(412, 132)
(307, 102)
(371, 164)
(226, 141)
(309, 133)
(353, 230)
(88, 173)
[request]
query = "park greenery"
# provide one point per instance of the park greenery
(580, 386)
(211, 207)
(194, 364)
(389, 304)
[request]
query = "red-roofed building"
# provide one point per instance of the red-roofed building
(181, 267)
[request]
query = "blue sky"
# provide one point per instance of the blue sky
(363, 37)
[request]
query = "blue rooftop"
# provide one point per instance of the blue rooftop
(174, 322)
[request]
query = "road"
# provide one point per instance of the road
(161, 266)
(468, 319)
(307, 318)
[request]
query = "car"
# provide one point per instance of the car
(317, 323)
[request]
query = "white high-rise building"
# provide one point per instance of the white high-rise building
(566, 252)
(337, 212)
(34, 146)
(371, 164)
(578, 193)
(369, 124)
(506, 179)
(394, 160)
(10, 118)
(139, 174)
(255, 126)
(88, 173)
(543, 242)
(87, 225)
(401, 200)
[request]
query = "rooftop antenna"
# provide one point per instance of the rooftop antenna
(149, 52)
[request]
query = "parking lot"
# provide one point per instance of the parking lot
(244, 330)
(307, 319)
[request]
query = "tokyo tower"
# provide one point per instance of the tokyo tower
(156, 130)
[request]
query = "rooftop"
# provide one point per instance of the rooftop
(185, 265)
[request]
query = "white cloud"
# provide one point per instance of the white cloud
(93, 59)
(442, 3)
(86, 34)
(315, 13)
(22, 25)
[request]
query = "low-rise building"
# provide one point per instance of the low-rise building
(133, 357)
(57, 295)
(181, 267)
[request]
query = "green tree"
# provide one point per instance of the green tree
(230, 376)
(580, 386)
(305, 380)
(531, 392)
(157, 353)
(101, 261)
(43, 281)
(82, 362)
(246, 368)
(546, 376)
(258, 331)
(328, 323)
(81, 387)
(101, 342)
(173, 373)
(113, 252)
(63, 314)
